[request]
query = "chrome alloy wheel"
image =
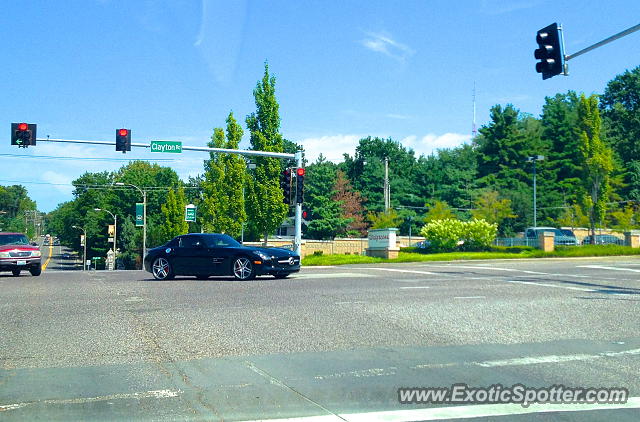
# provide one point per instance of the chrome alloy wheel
(161, 269)
(242, 268)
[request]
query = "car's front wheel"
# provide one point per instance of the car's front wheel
(243, 269)
(16, 273)
(36, 271)
(161, 269)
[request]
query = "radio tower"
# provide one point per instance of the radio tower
(474, 130)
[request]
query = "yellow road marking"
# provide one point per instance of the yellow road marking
(44, 266)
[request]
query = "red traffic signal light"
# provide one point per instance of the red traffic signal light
(304, 214)
(123, 140)
(23, 134)
(300, 171)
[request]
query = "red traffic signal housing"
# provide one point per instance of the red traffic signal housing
(300, 171)
(123, 140)
(23, 134)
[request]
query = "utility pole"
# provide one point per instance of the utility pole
(387, 192)
(533, 159)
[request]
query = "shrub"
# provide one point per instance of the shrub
(317, 253)
(478, 235)
(450, 234)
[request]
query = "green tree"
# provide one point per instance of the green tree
(235, 178)
(620, 105)
(384, 220)
(213, 204)
(597, 160)
(440, 210)
(492, 209)
(265, 209)
(173, 213)
(572, 216)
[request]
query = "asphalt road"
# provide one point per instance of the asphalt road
(330, 344)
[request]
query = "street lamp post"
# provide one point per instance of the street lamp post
(84, 254)
(534, 159)
(144, 215)
(115, 229)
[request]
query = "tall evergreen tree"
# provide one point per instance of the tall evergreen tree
(265, 209)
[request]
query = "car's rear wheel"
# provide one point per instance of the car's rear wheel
(280, 276)
(161, 269)
(243, 269)
(36, 271)
(15, 273)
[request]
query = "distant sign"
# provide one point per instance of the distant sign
(139, 214)
(190, 213)
(166, 146)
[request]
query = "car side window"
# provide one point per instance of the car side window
(190, 241)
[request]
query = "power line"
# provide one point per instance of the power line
(91, 186)
(63, 158)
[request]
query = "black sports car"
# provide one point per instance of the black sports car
(204, 255)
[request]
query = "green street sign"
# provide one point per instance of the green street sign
(139, 214)
(190, 213)
(166, 146)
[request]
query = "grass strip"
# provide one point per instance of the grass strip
(560, 252)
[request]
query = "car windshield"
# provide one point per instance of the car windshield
(220, 241)
(13, 239)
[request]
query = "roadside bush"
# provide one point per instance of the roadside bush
(450, 235)
(444, 235)
(478, 235)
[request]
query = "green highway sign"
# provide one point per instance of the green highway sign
(190, 213)
(166, 146)
(139, 214)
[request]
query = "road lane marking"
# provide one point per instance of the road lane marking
(330, 275)
(460, 412)
(44, 266)
(469, 297)
(414, 287)
(532, 360)
(322, 267)
(355, 302)
(400, 271)
(155, 394)
(551, 285)
(602, 267)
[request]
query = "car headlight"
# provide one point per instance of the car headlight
(4, 255)
(36, 254)
(264, 256)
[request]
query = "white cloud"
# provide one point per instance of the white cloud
(385, 44)
(431, 142)
(334, 146)
(331, 146)
(62, 182)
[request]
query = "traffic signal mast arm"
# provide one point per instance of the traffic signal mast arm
(603, 42)
(184, 148)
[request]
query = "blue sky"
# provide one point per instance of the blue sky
(174, 69)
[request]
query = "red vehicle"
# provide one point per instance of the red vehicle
(17, 254)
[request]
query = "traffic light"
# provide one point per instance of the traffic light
(23, 134)
(549, 52)
(285, 185)
(299, 185)
(123, 140)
